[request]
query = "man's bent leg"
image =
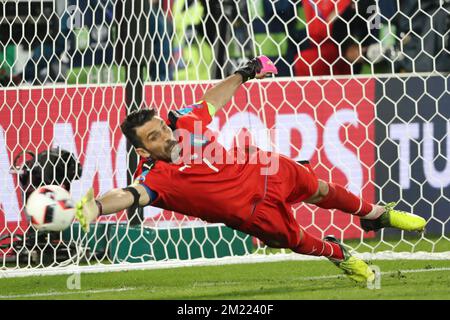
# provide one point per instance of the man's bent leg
(373, 217)
(313, 246)
(356, 269)
(334, 196)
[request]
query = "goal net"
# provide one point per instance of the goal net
(362, 93)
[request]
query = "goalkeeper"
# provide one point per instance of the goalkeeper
(239, 194)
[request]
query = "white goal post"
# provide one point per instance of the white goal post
(359, 95)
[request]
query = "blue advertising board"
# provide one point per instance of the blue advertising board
(413, 158)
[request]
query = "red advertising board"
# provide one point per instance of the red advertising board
(330, 123)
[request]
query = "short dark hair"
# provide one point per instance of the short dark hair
(133, 120)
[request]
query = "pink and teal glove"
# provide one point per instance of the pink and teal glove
(258, 67)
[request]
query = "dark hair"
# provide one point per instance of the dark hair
(133, 120)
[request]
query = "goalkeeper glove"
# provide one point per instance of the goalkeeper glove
(258, 67)
(87, 210)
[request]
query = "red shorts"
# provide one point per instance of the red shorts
(273, 221)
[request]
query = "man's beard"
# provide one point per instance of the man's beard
(173, 149)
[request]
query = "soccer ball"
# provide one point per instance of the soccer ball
(51, 208)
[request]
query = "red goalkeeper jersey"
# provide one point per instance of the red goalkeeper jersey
(216, 185)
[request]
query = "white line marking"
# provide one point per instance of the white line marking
(203, 284)
(64, 293)
(208, 284)
(382, 273)
(233, 260)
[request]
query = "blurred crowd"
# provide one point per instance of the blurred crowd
(199, 39)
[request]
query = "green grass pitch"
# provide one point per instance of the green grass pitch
(401, 279)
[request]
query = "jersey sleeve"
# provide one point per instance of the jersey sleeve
(198, 114)
(140, 178)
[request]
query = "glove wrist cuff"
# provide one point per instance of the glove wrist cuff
(250, 69)
(100, 207)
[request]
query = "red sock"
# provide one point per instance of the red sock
(317, 247)
(340, 198)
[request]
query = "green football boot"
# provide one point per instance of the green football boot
(395, 219)
(354, 268)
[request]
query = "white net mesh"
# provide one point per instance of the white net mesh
(362, 93)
